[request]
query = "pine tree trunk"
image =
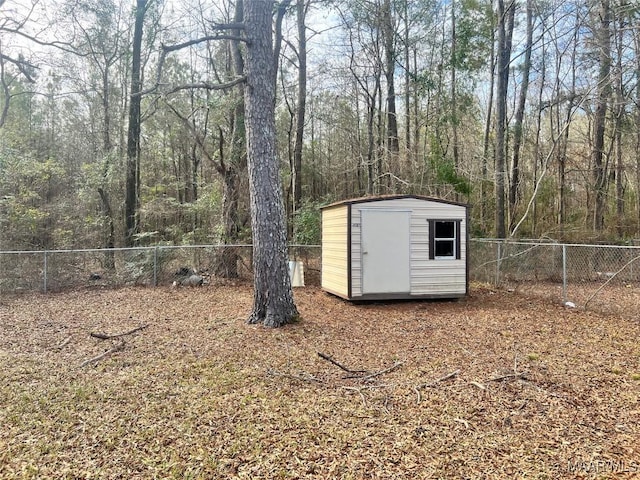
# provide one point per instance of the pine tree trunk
(273, 297)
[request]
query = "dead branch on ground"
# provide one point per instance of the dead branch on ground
(510, 376)
(363, 375)
(338, 364)
(104, 336)
(382, 372)
(103, 355)
(444, 378)
(516, 375)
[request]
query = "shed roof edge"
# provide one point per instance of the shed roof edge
(378, 198)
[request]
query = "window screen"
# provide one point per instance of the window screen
(444, 239)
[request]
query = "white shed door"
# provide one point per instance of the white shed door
(386, 260)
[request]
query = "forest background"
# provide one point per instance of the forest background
(121, 122)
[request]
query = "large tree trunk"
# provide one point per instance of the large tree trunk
(132, 184)
(273, 297)
(301, 106)
(599, 165)
(388, 29)
(514, 187)
(455, 148)
(505, 32)
(233, 171)
(564, 142)
(486, 142)
(105, 201)
(637, 120)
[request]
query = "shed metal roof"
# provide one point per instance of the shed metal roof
(378, 198)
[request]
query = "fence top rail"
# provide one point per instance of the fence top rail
(534, 243)
(124, 249)
(551, 244)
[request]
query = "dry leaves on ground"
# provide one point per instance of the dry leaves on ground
(174, 384)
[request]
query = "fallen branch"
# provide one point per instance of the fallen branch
(104, 336)
(359, 390)
(444, 378)
(339, 365)
(510, 376)
(478, 385)
(382, 372)
(97, 358)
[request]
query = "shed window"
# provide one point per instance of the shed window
(444, 239)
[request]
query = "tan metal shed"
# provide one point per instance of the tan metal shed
(395, 247)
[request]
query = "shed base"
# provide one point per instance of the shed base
(397, 296)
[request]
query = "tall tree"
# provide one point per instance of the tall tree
(486, 139)
(132, 184)
(273, 297)
(301, 14)
(506, 15)
(518, 131)
(603, 89)
(389, 36)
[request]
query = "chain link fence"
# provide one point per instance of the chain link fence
(600, 277)
(56, 270)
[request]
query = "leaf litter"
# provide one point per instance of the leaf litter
(143, 383)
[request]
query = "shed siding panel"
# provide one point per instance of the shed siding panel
(428, 277)
(335, 256)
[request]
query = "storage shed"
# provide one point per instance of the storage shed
(395, 247)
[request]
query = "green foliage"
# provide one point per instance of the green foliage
(446, 173)
(307, 224)
(473, 35)
(33, 212)
(444, 170)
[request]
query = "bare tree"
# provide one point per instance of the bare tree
(599, 161)
(505, 31)
(132, 184)
(20, 66)
(301, 12)
(514, 185)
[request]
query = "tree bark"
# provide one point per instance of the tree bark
(132, 184)
(301, 8)
(514, 186)
(486, 142)
(599, 165)
(636, 44)
(388, 31)
(273, 296)
(455, 148)
(233, 171)
(505, 32)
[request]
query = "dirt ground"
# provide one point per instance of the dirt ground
(497, 385)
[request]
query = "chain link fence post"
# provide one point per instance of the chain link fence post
(498, 260)
(564, 273)
(44, 272)
(155, 266)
